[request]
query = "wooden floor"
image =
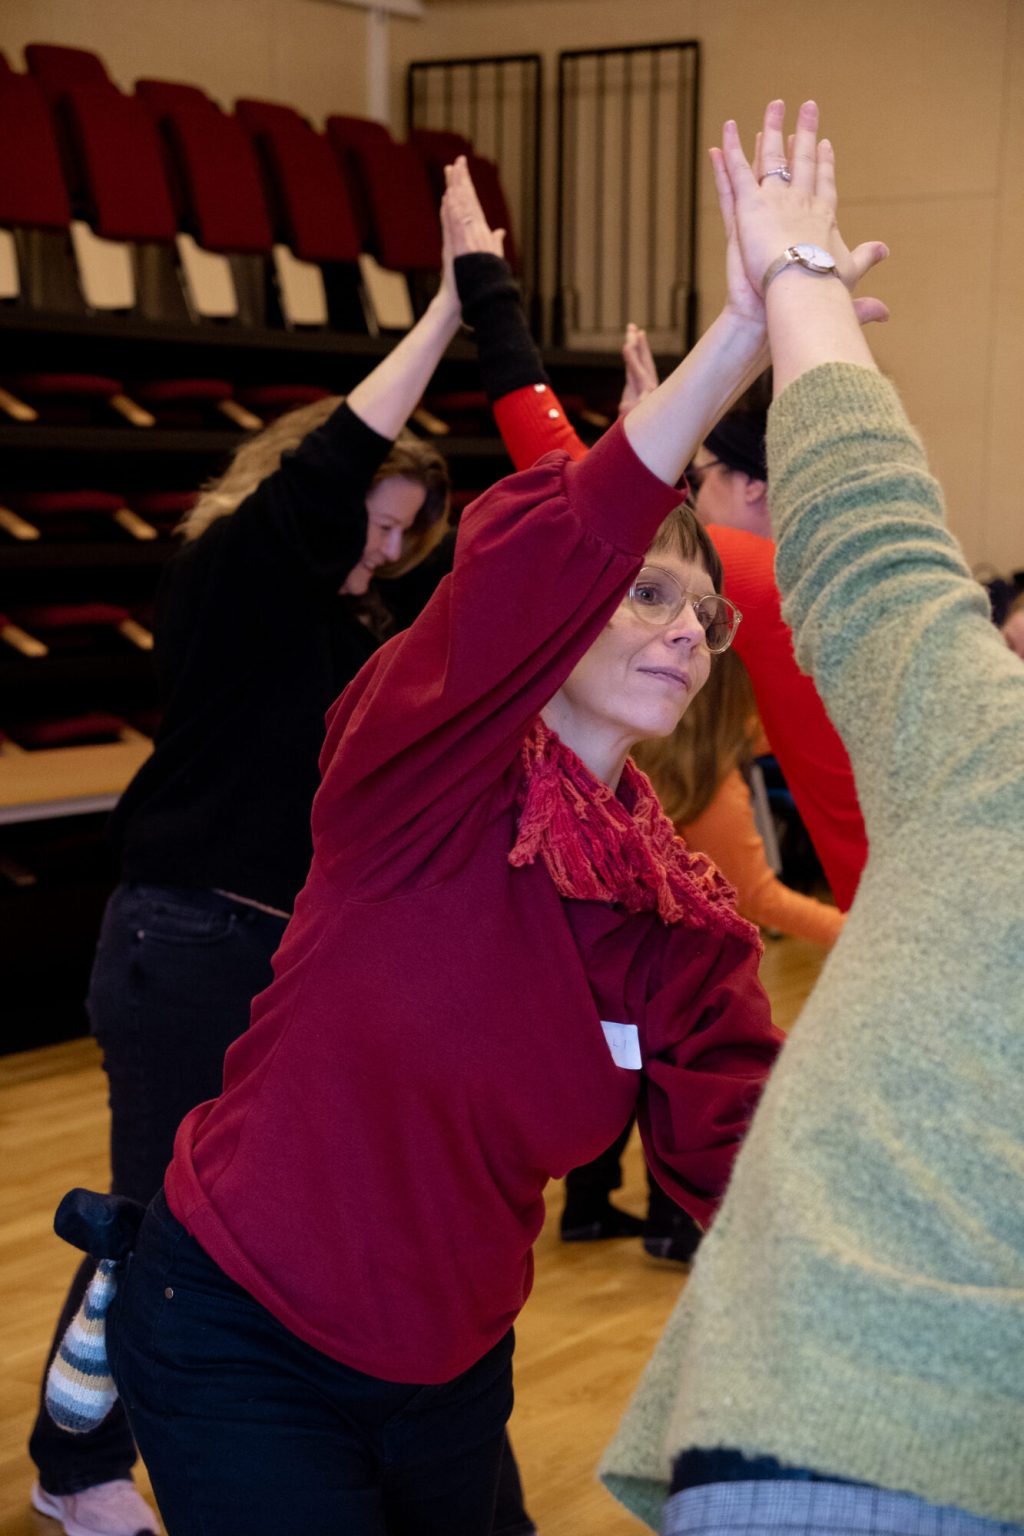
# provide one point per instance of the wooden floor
(594, 1316)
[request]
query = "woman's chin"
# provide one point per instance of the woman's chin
(356, 583)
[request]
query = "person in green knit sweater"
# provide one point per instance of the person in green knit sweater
(849, 1352)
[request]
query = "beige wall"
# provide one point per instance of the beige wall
(925, 102)
(303, 52)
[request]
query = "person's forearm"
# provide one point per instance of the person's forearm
(386, 398)
(811, 320)
(666, 428)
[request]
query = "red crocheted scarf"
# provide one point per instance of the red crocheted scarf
(601, 845)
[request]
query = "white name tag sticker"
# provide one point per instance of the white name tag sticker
(624, 1044)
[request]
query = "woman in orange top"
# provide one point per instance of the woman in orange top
(698, 775)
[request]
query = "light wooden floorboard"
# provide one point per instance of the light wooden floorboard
(594, 1316)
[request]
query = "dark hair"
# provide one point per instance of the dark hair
(682, 532)
(738, 442)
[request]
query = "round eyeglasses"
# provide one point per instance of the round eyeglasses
(696, 474)
(658, 599)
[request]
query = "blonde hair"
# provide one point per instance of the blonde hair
(262, 454)
(716, 734)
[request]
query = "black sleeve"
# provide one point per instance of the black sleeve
(491, 304)
(310, 513)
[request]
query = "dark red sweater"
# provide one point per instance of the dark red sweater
(430, 1052)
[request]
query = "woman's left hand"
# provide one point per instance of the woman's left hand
(763, 212)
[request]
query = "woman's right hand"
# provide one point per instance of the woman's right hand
(465, 224)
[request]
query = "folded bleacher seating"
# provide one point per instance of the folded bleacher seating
(225, 240)
(395, 192)
(119, 176)
(317, 233)
(439, 147)
(70, 514)
(36, 266)
(58, 68)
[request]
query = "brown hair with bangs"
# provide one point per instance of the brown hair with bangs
(719, 729)
(684, 535)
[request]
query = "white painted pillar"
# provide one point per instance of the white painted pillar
(378, 65)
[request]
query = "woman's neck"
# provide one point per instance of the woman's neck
(604, 752)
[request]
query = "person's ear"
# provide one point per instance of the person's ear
(755, 490)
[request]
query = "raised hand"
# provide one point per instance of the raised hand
(641, 372)
(788, 197)
(465, 223)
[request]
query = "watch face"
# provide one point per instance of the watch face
(814, 257)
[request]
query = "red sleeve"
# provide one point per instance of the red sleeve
(429, 733)
(802, 736)
(704, 1065)
(532, 422)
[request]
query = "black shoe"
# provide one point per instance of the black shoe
(677, 1239)
(593, 1223)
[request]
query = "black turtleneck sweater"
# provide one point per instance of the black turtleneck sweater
(253, 645)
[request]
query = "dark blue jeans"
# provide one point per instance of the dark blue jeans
(248, 1431)
(174, 974)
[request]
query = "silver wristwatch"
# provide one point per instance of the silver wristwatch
(811, 257)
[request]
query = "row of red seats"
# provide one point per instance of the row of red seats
(168, 160)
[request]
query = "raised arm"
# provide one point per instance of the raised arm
(884, 610)
(387, 397)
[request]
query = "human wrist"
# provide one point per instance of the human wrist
(811, 320)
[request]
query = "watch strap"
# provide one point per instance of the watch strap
(791, 258)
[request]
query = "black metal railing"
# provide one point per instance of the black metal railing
(626, 235)
(494, 102)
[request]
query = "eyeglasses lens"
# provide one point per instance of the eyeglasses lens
(715, 616)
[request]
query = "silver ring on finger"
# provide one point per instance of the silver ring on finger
(780, 170)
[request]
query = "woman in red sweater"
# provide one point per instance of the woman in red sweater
(500, 953)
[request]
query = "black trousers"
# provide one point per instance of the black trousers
(171, 985)
(249, 1431)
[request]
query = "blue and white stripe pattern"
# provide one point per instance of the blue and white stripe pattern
(80, 1391)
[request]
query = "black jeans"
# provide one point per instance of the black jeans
(174, 974)
(248, 1431)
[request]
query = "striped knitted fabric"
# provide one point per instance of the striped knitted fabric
(80, 1391)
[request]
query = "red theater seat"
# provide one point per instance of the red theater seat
(163, 96)
(307, 191)
(396, 192)
(58, 69)
(118, 150)
(439, 147)
(32, 190)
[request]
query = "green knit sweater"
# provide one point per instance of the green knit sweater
(858, 1306)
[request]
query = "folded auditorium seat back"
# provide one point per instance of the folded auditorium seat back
(131, 219)
(91, 728)
(58, 68)
(78, 397)
(35, 210)
(226, 235)
(400, 207)
(75, 626)
(273, 400)
(316, 223)
(439, 147)
(188, 402)
(73, 508)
